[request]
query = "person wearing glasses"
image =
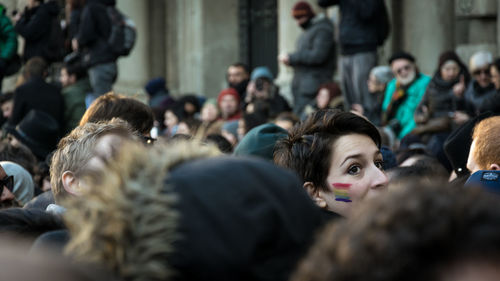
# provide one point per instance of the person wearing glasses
(492, 103)
(482, 87)
(403, 94)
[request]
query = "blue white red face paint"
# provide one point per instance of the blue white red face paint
(341, 192)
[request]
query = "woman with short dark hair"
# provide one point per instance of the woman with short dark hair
(337, 156)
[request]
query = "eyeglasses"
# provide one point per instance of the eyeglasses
(481, 71)
(405, 68)
(7, 182)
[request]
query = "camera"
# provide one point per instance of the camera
(259, 84)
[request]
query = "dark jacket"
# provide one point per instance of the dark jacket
(40, 95)
(74, 103)
(314, 59)
(491, 103)
(439, 97)
(364, 24)
(94, 31)
(74, 23)
(35, 27)
(440, 101)
(475, 96)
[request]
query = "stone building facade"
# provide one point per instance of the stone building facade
(191, 42)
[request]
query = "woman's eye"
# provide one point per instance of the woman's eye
(354, 170)
(379, 164)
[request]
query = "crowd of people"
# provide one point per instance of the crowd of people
(388, 174)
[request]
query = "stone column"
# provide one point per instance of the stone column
(428, 30)
(134, 70)
(202, 41)
(477, 23)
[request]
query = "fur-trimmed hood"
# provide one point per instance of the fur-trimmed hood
(159, 214)
(127, 221)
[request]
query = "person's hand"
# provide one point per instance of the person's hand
(460, 117)
(16, 17)
(250, 91)
(358, 109)
(423, 116)
(74, 44)
(284, 59)
(459, 88)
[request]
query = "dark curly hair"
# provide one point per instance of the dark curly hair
(308, 148)
(414, 234)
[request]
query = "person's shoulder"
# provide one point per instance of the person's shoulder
(423, 80)
(322, 22)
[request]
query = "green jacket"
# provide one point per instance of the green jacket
(8, 37)
(407, 109)
(74, 102)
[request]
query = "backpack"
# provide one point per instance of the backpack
(123, 33)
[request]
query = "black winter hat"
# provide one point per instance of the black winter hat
(38, 131)
(401, 55)
(457, 145)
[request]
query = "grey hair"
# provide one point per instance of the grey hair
(382, 73)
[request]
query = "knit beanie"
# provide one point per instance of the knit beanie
(447, 56)
(24, 188)
(228, 91)
(301, 9)
(155, 85)
(401, 55)
(382, 73)
(261, 72)
(260, 141)
(479, 60)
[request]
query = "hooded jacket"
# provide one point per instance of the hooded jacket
(94, 31)
(8, 37)
(156, 216)
(24, 188)
(35, 27)
(253, 223)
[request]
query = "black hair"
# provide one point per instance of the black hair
(221, 142)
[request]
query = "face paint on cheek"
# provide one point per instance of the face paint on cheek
(341, 192)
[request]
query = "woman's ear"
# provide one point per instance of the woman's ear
(315, 195)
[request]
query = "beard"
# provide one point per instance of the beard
(408, 79)
(240, 87)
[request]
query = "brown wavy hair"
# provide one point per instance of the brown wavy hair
(418, 233)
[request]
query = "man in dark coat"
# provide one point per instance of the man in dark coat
(314, 59)
(92, 40)
(35, 26)
(364, 25)
(37, 94)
